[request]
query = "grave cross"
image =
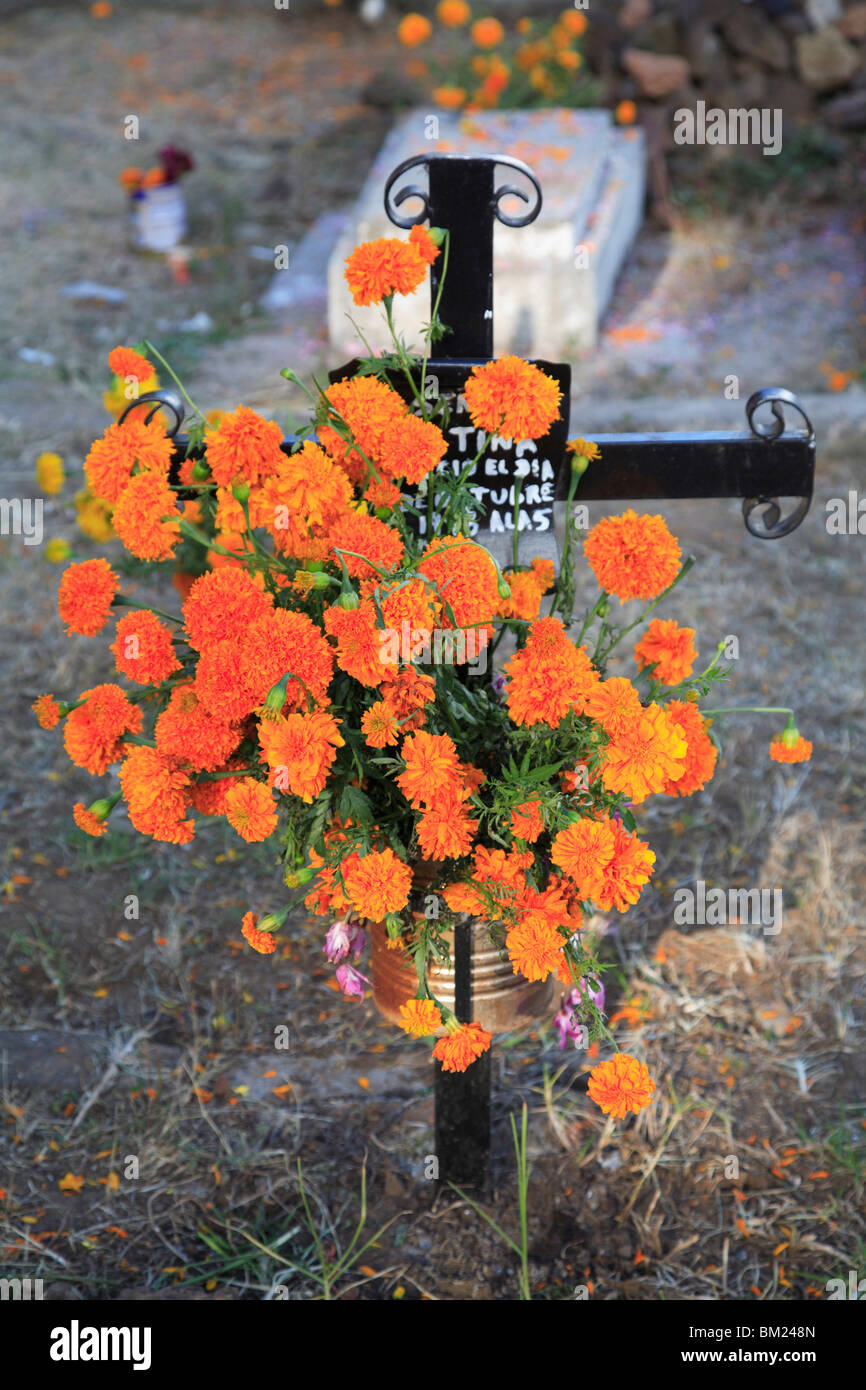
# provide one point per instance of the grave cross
(762, 464)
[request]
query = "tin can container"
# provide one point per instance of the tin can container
(501, 1000)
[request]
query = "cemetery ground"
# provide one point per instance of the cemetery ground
(153, 1038)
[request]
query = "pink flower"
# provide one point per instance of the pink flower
(342, 937)
(351, 981)
(566, 1023)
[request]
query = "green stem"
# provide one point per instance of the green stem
(515, 544)
(121, 601)
(566, 551)
(687, 564)
(750, 709)
(152, 352)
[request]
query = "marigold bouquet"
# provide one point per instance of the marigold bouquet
(471, 62)
(284, 698)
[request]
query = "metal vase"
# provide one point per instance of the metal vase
(501, 999)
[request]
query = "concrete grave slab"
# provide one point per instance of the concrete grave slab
(554, 279)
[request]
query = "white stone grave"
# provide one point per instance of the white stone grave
(553, 279)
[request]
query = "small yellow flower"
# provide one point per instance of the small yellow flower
(94, 516)
(49, 473)
(57, 551)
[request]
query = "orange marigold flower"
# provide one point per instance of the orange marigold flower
(511, 397)
(407, 692)
(377, 883)
(143, 649)
(527, 589)
(410, 602)
(534, 947)
(186, 732)
(126, 362)
(414, 29)
(446, 830)
(379, 544)
(250, 809)
(487, 33)
(642, 758)
(47, 711)
(384, 267)
(448, 97)
(85, 596)
(549, 676)
(282, 641)
(224, 604)
(157, 792)
(620, 1085)
(615, 704)
(785, 750)
(497, 866)
(146, 518)
(465, 897)
(420, 238)
(219, 684)
(111, 459)
(668, 648)
(573, 22)
(624, 875)
(230, 518)
(209, 797)
(301, 499)
(583, 850)
(382, 493)
(93, 733)
(453, 13)
(261, 941)
(411, 449)
(369, 409)
(462, 1044)
(633, 556)
(431, 768)
(701, 752)
(300, 751)
(379, 725)
(526, 821)
(466, 580)
(420, 1018)
(625, 112)
(360, 650)
(87, 821)
(244, 447)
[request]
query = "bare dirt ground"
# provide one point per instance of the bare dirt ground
(152, 1038)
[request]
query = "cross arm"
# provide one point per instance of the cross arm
(760, 465)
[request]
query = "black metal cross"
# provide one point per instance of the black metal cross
(762, 464)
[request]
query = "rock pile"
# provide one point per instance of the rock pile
(806, 57)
